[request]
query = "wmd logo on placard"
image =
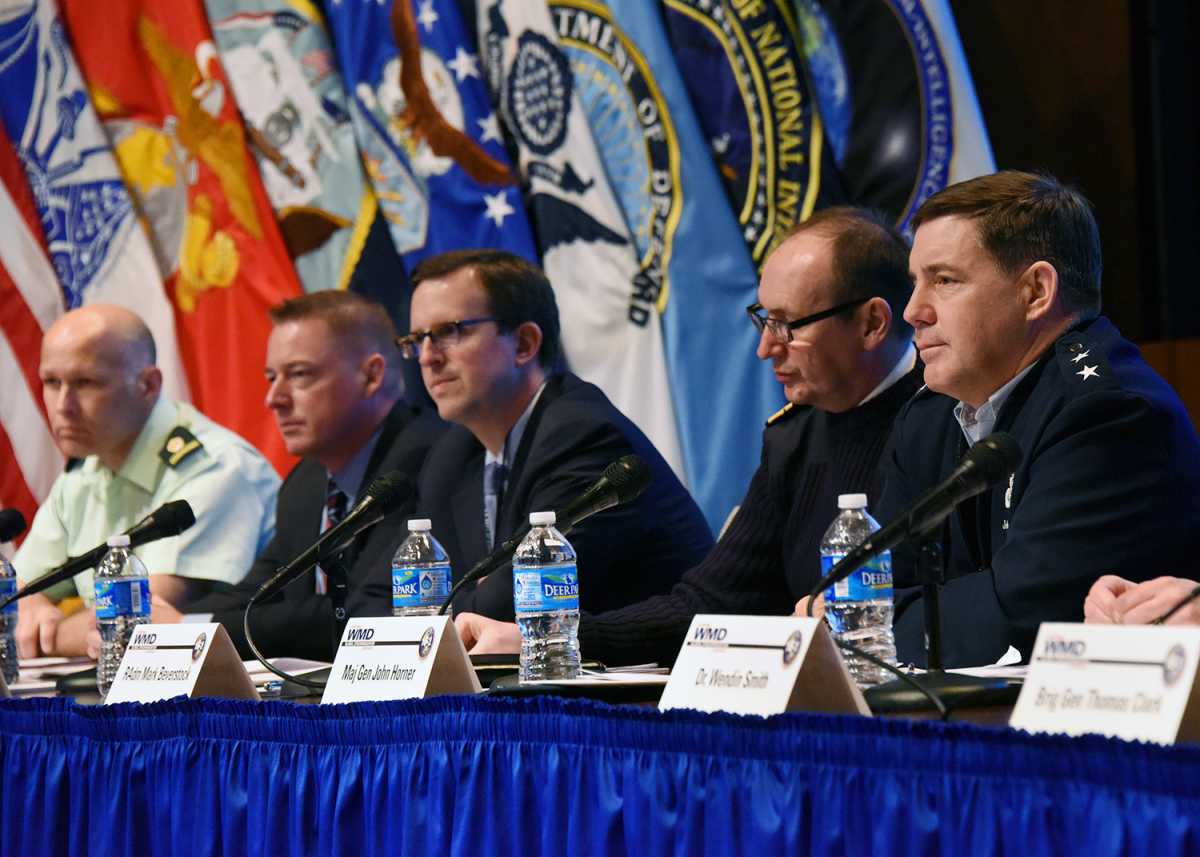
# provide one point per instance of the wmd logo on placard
(1056, 648)
(707, 635)
(360, 637)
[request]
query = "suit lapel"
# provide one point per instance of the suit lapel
(511, 513)
(308, 513)
(468, 512)
(394, 423)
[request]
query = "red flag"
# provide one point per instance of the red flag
(159, 88)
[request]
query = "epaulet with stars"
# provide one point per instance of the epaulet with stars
(1076, 359)
(180, 445)
(781, 413)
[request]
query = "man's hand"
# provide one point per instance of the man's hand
(162, 612)
(1145, 602)
(818, 607)
(91, 640)
(1100, 606)
(37, 626)
(484, 636)
(45, 631)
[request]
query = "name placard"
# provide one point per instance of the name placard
(402, 657)
(761, 665)
(162, 661)
(1132, 682)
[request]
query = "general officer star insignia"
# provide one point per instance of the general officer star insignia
(1088, 371)
(1081, 355)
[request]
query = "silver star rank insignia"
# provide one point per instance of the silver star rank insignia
(1080, 356)
(1088, 371)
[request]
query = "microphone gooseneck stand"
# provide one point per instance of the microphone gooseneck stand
(948, 691)
(338, 624)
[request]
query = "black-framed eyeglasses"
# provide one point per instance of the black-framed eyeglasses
(782, 330)
(440, 335)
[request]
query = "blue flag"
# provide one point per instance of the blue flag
(689, 243)
(426, 130)
(896, 99)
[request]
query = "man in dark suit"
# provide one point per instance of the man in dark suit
(1005, 306)
(335, 389)
(529, 438)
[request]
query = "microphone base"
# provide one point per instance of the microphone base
(957, 692)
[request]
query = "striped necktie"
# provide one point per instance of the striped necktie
(336, 502)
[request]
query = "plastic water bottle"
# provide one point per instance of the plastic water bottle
(420, 572)
(546, 602)
(859, 608)
(122, 588)
(8, 622)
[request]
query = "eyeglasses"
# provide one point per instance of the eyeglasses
(782, 330)
(440, 335)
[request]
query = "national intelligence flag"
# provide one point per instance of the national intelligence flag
(688, 242)
(97, 247)
(279, 60)
(425, 126)
(896, 99)
(744, 70)
(609, 299)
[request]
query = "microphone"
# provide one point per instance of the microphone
(12, 524)
(622, 481)
(169, 519)
(383, 496)
(986, 464)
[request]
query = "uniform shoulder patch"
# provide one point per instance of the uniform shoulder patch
(780, 414)
(180, 445)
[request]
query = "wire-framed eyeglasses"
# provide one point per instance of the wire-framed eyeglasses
(782, 330)
(440, 335)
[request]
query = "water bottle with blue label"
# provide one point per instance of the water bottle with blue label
(420, 572)
(546, 602)
(8, 622)
(122, 587)
(859, 608)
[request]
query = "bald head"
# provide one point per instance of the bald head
(113, 331)
(99, 381)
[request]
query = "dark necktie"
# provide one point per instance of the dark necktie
(495, 474)
(335, 509)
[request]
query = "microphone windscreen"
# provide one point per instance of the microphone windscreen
(175, 517)
(629, 475)
(12, 524)
(996, 456)
(390, 490)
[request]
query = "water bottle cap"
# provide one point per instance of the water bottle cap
(541, 519)
(852, 501)
(120, 540)
(419, 525)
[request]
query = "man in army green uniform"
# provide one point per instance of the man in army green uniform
(132, 450)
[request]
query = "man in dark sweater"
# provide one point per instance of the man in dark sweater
(847, 364)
